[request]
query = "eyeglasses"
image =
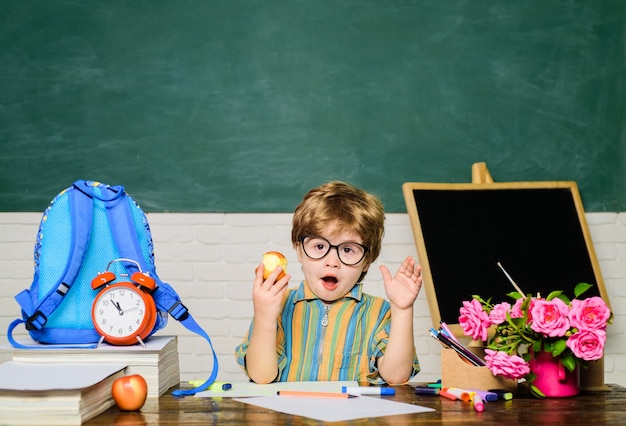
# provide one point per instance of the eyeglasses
(349, 253)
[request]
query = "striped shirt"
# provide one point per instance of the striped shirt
(337, 341)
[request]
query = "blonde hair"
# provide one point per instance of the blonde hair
(352, 209)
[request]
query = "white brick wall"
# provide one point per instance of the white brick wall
(210, 261)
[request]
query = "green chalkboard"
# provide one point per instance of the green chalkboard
(242, 106)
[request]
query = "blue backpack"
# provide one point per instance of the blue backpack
(84, 229)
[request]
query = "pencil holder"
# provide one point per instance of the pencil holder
(456, 373)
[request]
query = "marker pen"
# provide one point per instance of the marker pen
(479, 405)
(445, 394)
(220, 386)
(215, 386)
(368, 390)
(315, 394)
(461, 394)
(503, 395)
(449, 332)
(486, 395)
(420, 390)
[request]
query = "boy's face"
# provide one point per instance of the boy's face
(328, 277)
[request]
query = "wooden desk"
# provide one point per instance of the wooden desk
(585, 409)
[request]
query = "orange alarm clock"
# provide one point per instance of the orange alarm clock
(124, 313)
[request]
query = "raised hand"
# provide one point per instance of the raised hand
(267, 295)
(402, 289)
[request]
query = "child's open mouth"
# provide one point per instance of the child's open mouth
(330, 283)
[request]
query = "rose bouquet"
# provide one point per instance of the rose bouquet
(572, 331)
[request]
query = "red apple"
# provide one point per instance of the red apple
(130, 392)
(272, 260)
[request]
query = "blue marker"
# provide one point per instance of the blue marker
(368, 390)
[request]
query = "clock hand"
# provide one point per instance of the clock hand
(131, 309)
(119, 308)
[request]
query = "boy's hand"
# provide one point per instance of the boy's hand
(402, 289)
(267, 295)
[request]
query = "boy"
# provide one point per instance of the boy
(327, 328)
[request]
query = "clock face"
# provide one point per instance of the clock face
(121, 312)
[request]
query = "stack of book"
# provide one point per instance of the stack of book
(55, 394)
(157, 362)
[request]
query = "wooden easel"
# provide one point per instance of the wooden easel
(480, 174)
(591, 378)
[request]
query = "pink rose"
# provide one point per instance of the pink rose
(498, 313)
(473, 320)
(502, 364)
(516, 311)
(589, 314)
(587, 344)
(550, 317)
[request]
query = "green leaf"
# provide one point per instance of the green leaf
(554, 294)
(534, 390)
(513, 322)
(581, 288)
(558, 347)
(569, 361)
(486, 304)
(548, 346)
(564, 298)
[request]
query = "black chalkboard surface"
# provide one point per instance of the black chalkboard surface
(537, 230)
(244, 105)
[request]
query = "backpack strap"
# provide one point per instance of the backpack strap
(165, 297)
(81, 210)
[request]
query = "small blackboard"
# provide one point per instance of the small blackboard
(536, 230)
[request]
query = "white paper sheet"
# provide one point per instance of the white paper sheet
(17, 376)
(249, 389)
(334, 410)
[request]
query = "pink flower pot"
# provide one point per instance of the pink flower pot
(553, 379)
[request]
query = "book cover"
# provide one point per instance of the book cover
(157, 362)
(55, 394)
